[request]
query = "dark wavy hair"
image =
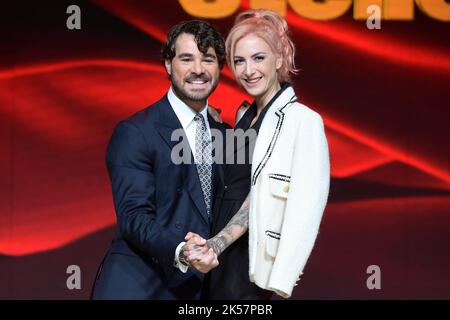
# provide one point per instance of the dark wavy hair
(205, 37)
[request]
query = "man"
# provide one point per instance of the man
(158, 201)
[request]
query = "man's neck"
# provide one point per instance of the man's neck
(197, 106)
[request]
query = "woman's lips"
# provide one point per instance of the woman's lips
(252, 82)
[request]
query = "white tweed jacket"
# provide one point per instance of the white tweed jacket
(289, 191)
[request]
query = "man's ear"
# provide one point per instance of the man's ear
(168, 65)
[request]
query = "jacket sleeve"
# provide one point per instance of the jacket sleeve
(130, 168)
(306, 200)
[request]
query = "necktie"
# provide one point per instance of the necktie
(203, 159)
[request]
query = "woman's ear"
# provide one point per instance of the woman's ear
(168, 66)
(279, 62)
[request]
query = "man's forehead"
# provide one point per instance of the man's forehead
(186, 44)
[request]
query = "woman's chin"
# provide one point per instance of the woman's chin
(254, 91)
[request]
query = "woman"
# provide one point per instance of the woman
(287, 179)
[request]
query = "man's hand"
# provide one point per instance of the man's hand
(195, 247)
(198, 254)
(208, 262)
(182, 258)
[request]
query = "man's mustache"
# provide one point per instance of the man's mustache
(198, 77)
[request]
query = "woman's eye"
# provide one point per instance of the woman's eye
(238, 61)
(260, 58)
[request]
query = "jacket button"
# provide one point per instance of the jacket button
(177, 225)
(179, 191)
(225, 188)
(286, 189)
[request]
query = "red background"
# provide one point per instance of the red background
(383, 94)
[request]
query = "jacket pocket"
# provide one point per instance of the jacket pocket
(272, 243)
(279, 184)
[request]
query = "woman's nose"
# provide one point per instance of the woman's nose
(249, 70)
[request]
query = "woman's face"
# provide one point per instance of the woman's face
(255, 67)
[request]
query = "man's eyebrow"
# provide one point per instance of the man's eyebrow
(185, 55)
(210, 55)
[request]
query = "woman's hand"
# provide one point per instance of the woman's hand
(199, 254)
(215, 113)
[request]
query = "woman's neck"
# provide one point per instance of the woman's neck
(264, 99)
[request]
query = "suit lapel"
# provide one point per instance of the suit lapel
(217, 169)
(168, 122)
(270, 131)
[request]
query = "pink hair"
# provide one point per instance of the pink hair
(273, 29)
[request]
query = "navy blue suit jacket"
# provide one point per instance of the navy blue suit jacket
(157, 202)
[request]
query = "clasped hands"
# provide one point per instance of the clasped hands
(198, 254)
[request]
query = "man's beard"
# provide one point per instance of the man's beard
(185, 95)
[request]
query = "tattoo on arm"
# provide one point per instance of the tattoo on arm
(235, 228)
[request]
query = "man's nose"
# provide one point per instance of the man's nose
(198, 68)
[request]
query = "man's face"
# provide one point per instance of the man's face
(193, 75)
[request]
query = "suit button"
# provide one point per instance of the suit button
(225, 188)
(177, 225)
(179, 190)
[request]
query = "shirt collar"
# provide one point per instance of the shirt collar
(184, 113)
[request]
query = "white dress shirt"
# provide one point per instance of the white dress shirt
(186, 116)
